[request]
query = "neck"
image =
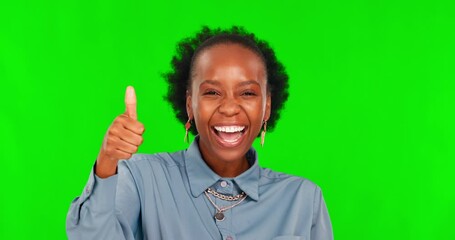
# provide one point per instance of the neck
(228, 169)
(224, 164)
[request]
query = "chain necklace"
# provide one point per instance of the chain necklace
(219, 215)
(225, 197)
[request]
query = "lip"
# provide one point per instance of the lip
(229, 144)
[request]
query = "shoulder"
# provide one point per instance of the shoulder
(287, 181)
(164, 159)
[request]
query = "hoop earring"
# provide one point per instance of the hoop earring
(263, 133)
(187, 127)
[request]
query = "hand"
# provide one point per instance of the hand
(122, 139)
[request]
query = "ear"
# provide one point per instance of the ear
(189, 108)
(268, 107)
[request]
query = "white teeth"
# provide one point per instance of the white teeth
(230, 129)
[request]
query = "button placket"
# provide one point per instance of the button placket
(226, 187)
(225, 226)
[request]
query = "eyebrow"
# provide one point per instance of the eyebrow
(217, 83)
(249, 82)
(213, 82)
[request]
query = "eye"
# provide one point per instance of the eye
(210, 92)
(249, 93)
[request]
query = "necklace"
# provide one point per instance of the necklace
(219, 215)
(225, 197)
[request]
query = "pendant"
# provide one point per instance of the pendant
(219, 216)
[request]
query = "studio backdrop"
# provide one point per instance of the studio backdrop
(370, 117)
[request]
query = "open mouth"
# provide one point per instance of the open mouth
(229, 135)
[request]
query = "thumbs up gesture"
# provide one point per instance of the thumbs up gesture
(122, 139)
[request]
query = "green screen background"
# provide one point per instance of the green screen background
(370, 116)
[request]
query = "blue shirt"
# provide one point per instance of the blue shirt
(161, 196)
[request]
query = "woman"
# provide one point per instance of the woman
(227, 87)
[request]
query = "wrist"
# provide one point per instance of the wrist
(105, 168)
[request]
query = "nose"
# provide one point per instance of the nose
(229, 106)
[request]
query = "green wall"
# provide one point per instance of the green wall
(370, 116)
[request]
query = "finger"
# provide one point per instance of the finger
(130, 137)
(130, 102)
(118, 146)
(119, 154)
(127, 135)
(131, 124)
(126, 146)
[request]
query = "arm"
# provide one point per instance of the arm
(108, 208)
(321, 228)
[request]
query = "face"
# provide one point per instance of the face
(228, 101)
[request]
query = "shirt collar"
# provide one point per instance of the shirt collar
(201, 176)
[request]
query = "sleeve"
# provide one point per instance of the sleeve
(321, 228)
(107, 208)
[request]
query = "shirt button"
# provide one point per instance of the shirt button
(224, 184)
(229, 238)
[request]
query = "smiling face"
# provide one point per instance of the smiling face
(228, 100)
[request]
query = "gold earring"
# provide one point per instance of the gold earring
(263, 133)
(187, 127)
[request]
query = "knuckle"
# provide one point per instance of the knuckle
(118, 119)
(112, 130)
(109, 151)
(135, 149)
(109, 141)
(121, 120)
(141, 127)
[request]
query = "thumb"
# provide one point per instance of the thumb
(130, 102)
